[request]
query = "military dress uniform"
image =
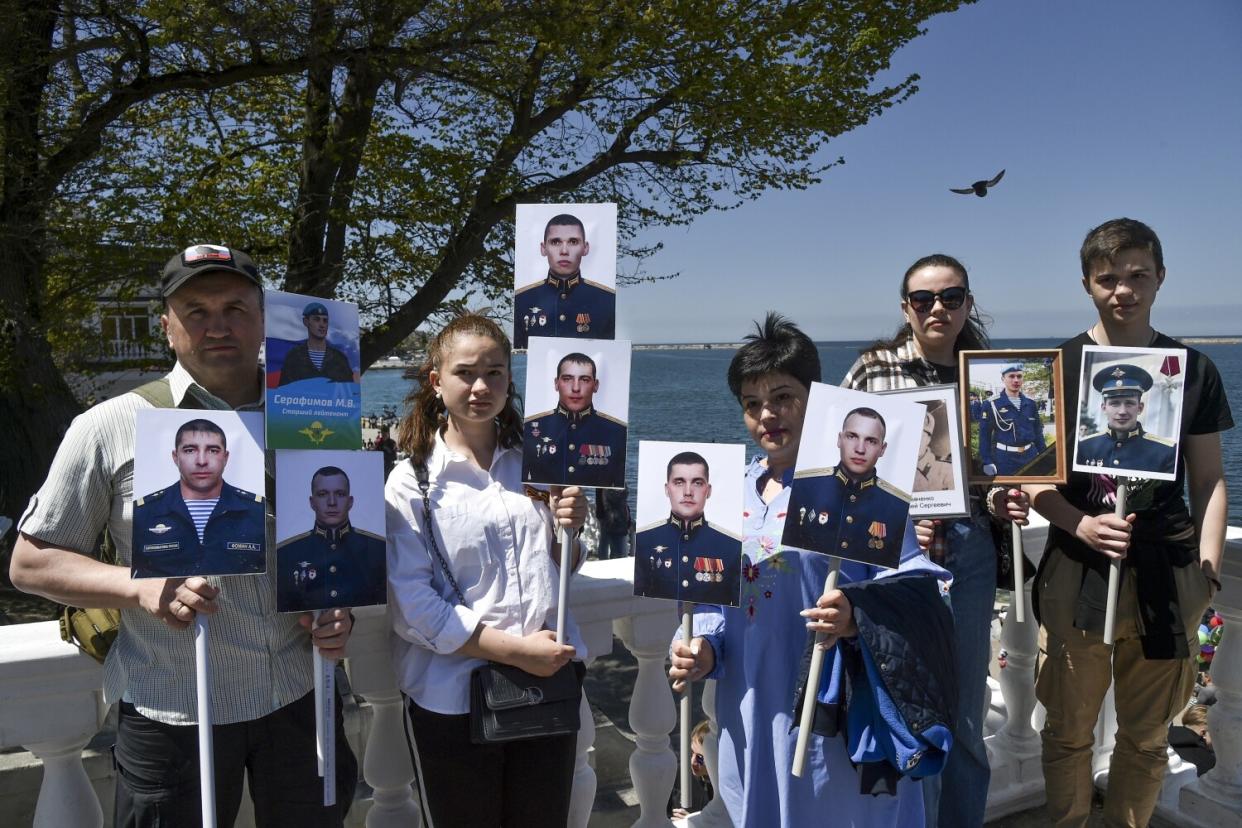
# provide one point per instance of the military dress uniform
(689, 560)
(933, 474)
(829, 512)
(166, 543)
(566, 306)
(341, 566)
(1134, 449)
(586, 448)
(1010, 436)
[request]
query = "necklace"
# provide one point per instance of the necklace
(1091, 334)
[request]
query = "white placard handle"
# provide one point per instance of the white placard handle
(206, 753)
(1114, 568)
(812, 681)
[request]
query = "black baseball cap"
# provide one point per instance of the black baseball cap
(205, 258)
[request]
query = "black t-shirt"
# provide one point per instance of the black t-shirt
(1162, 517)
(945, 374)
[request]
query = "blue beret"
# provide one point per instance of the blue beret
(1121, 379)
(1012, 368)
(315, 309)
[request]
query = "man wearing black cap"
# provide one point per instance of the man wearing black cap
(1125, 445)
(315, 357)
(262, 699)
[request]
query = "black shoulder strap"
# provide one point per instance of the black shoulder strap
(424, 486)
(157, 392)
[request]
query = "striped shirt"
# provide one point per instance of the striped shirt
(262, 659)
(316, 357)
(200, 511)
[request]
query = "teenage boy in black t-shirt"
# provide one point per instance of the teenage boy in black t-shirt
(1170, 560)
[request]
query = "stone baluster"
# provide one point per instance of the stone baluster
(715, 815)
(1215, 799)
(653, 766)
(66, 796)
(386, 762)
(50, 703)
(582, 796)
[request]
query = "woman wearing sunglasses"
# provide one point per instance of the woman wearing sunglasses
(941, 319)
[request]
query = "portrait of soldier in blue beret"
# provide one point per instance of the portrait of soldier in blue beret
(1011, 429)
(314, 357)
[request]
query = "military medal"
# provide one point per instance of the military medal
(802, 515)
(584, 322)
(878, 532)
(543, 320)
(823, 518)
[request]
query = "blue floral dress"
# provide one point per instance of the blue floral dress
(759, 648)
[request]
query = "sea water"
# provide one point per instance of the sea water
(683, 395)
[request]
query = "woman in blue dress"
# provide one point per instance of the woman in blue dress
(754, 651)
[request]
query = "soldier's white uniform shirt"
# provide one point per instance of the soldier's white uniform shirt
(498, 543)
(261, 659)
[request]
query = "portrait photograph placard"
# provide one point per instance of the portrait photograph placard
(850, 495)
(1130, 411)
(565, 272)
(199, 483)
(1012, 411)
(688, 544)
(579, 393)
(330, 547)
(940, 489)
(313, 373)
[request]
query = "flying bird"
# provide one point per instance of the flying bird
(979, 188)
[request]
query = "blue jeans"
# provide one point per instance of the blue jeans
(958, 797)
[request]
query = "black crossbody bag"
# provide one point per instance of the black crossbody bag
(507, 703)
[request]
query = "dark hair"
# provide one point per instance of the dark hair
(777, 346)
(687, 458)
(426, 415)
(864, 411)
(1103, 243)
(973, 335)
(329, 471)
(582, 359)
(564, 220)
(202, 427)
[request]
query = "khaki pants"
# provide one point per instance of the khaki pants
(1075, 668)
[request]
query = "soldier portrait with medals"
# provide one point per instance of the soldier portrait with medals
(565, 266)
(330, 550)
(1130, 411)
(579, 390)
(850, 495)
(688, 546)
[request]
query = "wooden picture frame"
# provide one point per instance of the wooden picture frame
(1012, 443)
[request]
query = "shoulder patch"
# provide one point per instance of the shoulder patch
(294, 539)
(370, 535)
(1161, 440)
(1092, 436)
(598, 286)
(530, 417)
(651, 526)
(611, 418)
(519, 291)
(891, 489)
(823, 471)
(245, 495)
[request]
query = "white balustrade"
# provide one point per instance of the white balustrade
(714, 815)
(1215, 799)
(50, 702)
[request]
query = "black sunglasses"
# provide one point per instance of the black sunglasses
(924, 300)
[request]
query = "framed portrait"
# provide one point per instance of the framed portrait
(688, 544)
(579, 391)
(330, 533)
(850, 495)
(565, 272)
(940, 488)
(1130, 411)
(1013, 417)
(314, 391)
(199, 503)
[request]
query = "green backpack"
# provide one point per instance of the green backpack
(93, 630)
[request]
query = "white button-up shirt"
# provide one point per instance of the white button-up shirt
(499, 545)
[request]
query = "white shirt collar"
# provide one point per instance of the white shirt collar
(442, 455)
(181, 382)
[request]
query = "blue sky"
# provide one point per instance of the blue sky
(1095, 109)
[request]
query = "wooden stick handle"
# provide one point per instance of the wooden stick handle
(563, 594)
(1018, 596)
(812, 681)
